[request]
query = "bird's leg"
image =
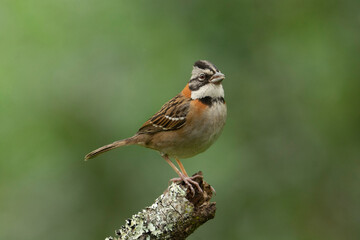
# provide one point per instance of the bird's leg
(167, 159)
(184, 178)
(184, 171)
(181, 167)
(190, 179)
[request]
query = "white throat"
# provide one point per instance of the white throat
(208, 90)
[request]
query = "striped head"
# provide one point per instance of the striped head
(206, 81)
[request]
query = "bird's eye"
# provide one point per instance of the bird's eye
(202, 77)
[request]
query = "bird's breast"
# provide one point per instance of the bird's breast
(204, 126)
(209, 123)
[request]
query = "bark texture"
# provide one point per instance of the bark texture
(174, 215)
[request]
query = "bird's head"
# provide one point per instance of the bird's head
(206, 80)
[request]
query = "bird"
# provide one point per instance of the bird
(186, 125)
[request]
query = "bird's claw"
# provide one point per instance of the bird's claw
(189, 181)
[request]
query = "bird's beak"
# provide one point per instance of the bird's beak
(217, 77)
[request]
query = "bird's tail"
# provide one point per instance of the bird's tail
(120, 143)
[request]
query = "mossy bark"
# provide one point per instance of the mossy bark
(174, 215)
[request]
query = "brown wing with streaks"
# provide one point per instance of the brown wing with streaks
(171, 116)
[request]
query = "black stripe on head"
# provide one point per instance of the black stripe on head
(201, 64)
(195, 84)
(205, 65)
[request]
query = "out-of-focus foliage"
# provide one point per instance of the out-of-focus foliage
(75, 75)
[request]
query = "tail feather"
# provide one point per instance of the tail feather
(109, 147)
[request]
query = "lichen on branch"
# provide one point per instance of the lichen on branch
(174, 215)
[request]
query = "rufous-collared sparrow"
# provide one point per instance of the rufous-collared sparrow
(186, 125)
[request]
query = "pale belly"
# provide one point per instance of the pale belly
(196, 139)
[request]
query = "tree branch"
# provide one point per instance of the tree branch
(174, 215)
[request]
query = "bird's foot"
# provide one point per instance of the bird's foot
(189, 181)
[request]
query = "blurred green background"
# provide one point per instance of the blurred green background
(75, 75)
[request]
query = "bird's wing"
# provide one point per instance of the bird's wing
(171, 116)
